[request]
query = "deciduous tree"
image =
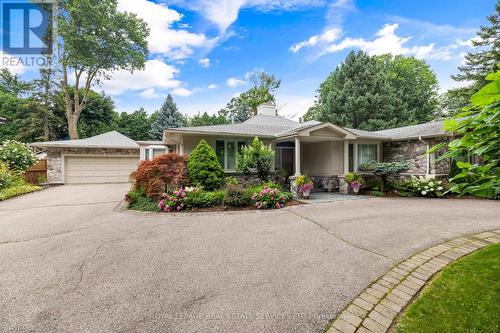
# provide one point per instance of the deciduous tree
(95, 40)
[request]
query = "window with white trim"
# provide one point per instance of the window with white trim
(151, 152)
(367, 153)
(227, 152)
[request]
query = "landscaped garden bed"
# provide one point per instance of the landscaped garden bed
(172, 183)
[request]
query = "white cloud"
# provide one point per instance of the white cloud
(182, 92)
(156, 75)
(387, 41)
(328, 36)
(175, 44)
(205, 62)
(212, 86)
(150, 93)
(224, 12)
(294, 106)
(234, 82)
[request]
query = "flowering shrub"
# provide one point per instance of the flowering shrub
(425, 186)
(176, 201)
(269, 198)
(18, 156)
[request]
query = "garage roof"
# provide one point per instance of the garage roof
(111, 139)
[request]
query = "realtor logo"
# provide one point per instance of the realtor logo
(25, 25)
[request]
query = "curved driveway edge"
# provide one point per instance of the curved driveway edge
(375, 310)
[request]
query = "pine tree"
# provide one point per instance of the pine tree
(168, 117)
(484, 61)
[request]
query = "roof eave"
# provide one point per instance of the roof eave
(55, 145)
(250, 135)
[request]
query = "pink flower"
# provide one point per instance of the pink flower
(161, 204)
(179, 208)
(257, 204)
(272, 197)
(277, 205)
(164, 195)
(282, 205)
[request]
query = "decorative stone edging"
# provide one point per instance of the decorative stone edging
(376, 308)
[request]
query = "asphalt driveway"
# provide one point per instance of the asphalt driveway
(68, 262)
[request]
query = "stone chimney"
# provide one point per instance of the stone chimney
(267, 109)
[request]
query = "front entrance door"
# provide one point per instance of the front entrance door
(287, 157)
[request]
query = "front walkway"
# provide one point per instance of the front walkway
(325, 197)
(71, 263)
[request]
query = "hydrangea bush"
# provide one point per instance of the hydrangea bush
(176, 201)
(18, 156)
(425, 186)
(269, 198)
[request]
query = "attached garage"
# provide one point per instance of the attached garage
(98, 170)
(104, 158)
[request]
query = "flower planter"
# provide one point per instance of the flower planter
(305, 194)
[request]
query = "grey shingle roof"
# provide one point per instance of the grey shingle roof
(111, 139)
(414, 131)
(260, 125)
(276, 126)
(366, 134)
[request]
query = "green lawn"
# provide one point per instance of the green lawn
(463, 298)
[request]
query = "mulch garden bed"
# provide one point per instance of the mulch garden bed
(221, 208)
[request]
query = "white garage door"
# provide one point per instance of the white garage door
(95, 170)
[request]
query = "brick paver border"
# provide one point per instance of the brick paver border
(377, 307)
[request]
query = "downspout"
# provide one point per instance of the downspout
(428, 156)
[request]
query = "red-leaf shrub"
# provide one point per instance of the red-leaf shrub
(157, 176)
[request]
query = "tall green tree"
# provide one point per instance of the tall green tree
(379, 92)
(168, 116)
(244, 106)
(204, 119)
(415, 84)
(135, 125)
(95, 40)
(478, 63)
(454, 100)
(13, 84)
(484, 59)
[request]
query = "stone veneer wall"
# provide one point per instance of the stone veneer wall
(327, 183)
(54, 159)
(413, 152)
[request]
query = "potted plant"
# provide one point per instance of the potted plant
(304, 186)
(355, 185)
(355, 181)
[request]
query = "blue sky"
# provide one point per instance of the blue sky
(203, 50)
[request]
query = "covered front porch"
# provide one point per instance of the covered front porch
(324, 153)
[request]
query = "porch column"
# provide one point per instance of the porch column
(346, 157)
(355, 157)
(297, 156)
(181, 149)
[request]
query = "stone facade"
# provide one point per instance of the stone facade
(413, 152)
(327, 183)
(55, 159)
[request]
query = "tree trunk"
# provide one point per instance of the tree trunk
(73, 127)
